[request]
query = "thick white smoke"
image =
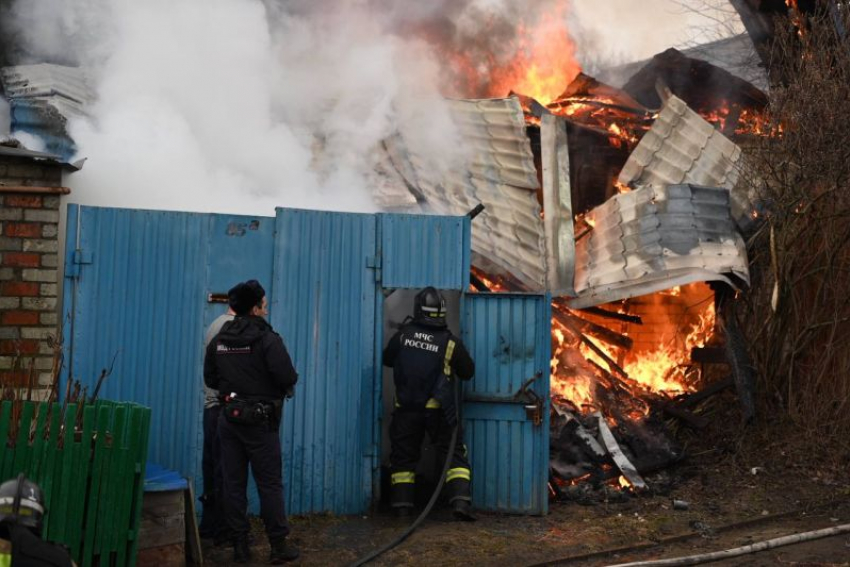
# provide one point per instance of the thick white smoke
(233, 105)
(244, 105)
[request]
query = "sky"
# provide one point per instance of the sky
(631, 30)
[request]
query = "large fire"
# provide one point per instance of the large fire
(584, 366)
(539, 59)
(599, 363)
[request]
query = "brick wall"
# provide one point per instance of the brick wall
(30, 195)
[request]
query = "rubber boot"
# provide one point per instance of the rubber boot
(461, 511)
(282, 552)
(241, 551)
(403, 511)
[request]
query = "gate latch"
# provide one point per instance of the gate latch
(533, 402)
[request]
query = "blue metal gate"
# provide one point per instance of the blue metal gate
(136, 290)
(506, 405)
(325, 296)
(138, 285)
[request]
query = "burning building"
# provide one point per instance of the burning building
(628, 205)
(624, 204)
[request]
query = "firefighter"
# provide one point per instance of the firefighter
(424, 356)
(249, 365)
(21, 519)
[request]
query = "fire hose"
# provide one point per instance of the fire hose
(427, 510)
(744, 550)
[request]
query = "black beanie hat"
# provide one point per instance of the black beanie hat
(258, 289)
(244, 296)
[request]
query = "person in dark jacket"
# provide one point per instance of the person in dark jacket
(249, 365)
(425, 356)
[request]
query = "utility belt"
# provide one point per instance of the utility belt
(248, 410)
(432, 403)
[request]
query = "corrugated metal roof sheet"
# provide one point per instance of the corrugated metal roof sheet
(43, 98)
(45, 80)
(499, 172)
(681, 147)
(655, 238)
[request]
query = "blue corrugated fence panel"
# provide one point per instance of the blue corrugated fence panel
(137, 301)
(137, 284)
(324, 306)
(508, 336)
(423, 250)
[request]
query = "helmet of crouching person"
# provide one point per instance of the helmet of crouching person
(22, 504)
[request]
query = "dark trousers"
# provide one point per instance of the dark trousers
(407, 431)
(212, 522)
(258, 445)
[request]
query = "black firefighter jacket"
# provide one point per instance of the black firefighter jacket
(248, 358)
(417, 354)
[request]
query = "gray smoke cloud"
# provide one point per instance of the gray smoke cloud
(236, 105)
(243, 105)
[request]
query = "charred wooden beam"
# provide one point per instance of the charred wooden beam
(614, 382)
(478, 284)
(603, 333)
(613, 315)
(598, 351)
(641, 112)
(695, 398)
(743, 371)
(695, 421)
(709, 355)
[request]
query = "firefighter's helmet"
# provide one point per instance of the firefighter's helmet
(430, 307)
(22, 503)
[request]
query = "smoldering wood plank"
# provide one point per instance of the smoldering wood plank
(623, 463)
(613, 315)
(603, 333)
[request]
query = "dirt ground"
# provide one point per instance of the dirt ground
(776, 489)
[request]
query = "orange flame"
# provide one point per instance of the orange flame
(660, 370)
(544, 63)
(749, 122)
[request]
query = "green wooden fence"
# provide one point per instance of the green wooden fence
(90, 462)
